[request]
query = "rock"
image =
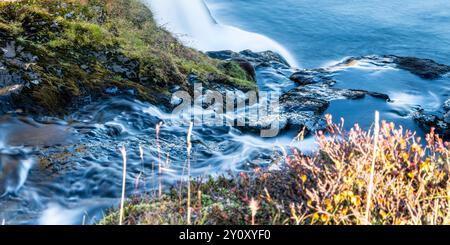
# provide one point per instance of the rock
(266, 58)
(380, 96)
(447, 105)
(112, 90)
(9, 51)
(222, 55)
(440, 120)
(125, 67)
(424, 68)
(14, 166)
(114, 130)
(447, 117)
(301, 99)
(306, 77)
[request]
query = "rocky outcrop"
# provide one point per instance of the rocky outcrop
(424, 68)
(65, 54)
(266, 58)
(439, 120)
(302, 106)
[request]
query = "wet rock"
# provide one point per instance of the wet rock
(113, 130)
(424, 68)
(14, 166)
(222, 55)
(9, 51)
(265, 58)
(447, 105)
(112, 90)
(447, 117)
(380, 96)
(301, 99)
(440, 120)
(306, 77)
(275, 122)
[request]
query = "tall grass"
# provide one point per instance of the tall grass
(374, 158)
(124, 177)
(158, 148)
(189, 148)
(253, 205)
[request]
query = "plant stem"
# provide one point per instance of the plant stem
(372, 169)
(124, 176)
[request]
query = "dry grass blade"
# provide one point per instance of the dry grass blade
(189, 148)
(372, 168)
(124, 177)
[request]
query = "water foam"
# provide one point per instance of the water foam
(194, 25)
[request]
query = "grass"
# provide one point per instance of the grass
(124, 177)
(385, 177)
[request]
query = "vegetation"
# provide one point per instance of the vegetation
(71, 51)
(411, 185)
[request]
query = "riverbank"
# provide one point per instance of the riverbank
(60, 55)
(383, 177)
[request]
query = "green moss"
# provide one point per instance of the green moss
(82, 34)
(234, 70)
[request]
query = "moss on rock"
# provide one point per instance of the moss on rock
(69, 51)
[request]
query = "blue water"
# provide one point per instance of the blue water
(317, 32)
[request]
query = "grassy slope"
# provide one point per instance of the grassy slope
(411, 185)
(69, 36)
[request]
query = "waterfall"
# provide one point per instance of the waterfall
(192, 23)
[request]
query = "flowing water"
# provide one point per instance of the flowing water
(83, 177)
(322, 33)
